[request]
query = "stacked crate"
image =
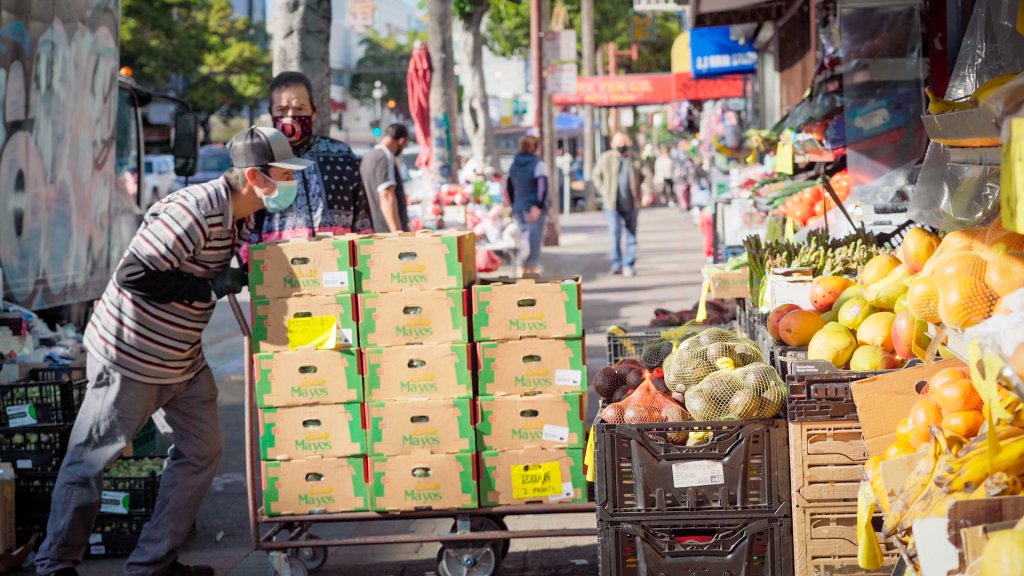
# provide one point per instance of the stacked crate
(414, 333)
(694, 497)
(308, 388)
(531, 374)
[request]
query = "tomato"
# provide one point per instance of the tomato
(819, 207)
(803, 213)
(840, 182)
(812, 194)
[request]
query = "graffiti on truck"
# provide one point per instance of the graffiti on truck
(65, 215)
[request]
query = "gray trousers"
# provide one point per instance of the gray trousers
(114, 409)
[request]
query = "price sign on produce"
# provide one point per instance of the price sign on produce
(530, 481)
(317, 331)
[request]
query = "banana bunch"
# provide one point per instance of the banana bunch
(970, 469)
(917, 491)
(938, 106)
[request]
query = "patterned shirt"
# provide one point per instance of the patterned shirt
(330, 197)
(190, 231)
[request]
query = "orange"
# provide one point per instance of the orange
(964, 301)
(924, 413)
(955, 395)
(1005, 273)
(897, 449)
(946, 375)
(903, 430)
(966, 423)
(957, 265)
(1011, 241)
(923, 300)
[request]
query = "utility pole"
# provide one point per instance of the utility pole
(444, 106)
(589, 139)
(536, 65)
(301, 42)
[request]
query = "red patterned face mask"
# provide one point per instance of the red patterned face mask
(297, 129)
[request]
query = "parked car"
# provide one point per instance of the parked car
(159, 178)
(214, 160)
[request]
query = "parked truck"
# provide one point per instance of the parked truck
(71, 152)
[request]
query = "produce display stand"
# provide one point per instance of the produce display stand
(475, 545)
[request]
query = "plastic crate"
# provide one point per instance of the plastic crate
(630, 344)
(34, 452)
(146, 442)
(827, 462)
(742, 469)
(57, 373)
(818, 391)
(702, 546)
(120, 496)
(114, 536)
(31, 404)
(825, 542)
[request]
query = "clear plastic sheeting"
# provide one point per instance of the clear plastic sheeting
(991, 47)
(954, 196)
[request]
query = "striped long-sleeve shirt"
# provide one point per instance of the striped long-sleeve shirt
(191, 231)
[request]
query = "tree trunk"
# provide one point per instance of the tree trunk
(444, 104)
(476, 111)
(301, 42)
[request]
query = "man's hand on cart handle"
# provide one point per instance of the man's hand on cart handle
(228, 281)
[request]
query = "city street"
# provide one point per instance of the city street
(668, 276)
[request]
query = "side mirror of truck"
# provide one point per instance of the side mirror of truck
(186, 143)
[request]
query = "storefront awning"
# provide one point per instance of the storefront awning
(641, 89)
(731, 12)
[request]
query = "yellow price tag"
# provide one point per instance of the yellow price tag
(988, 389)
(702, 307)
(318, 331)
(1011, 184)
(532, 481)
(588, 456)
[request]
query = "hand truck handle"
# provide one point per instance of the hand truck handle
(243, 324)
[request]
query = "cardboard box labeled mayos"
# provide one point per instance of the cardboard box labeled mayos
(532, 475)
(331, 431)
(406, 426)
(319, 266)
(531, 366)
(544, 421)
(510, 309)
(321, 322)
(424, 481)
(403, 318)
(307, 376)
(415, 261)
(315, 486)
(428, 371)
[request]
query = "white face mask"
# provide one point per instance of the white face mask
(283, 196)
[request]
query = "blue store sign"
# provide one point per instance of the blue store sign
(715, 52)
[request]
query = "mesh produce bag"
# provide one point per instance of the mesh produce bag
(613, 383)
(752, 392)
(696, 358)
(646, 405)
(971, 270)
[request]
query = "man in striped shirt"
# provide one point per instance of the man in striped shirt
(145, 354)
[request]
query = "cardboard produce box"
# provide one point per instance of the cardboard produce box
(319, 266)
(532, 475)
(510, 309)
(406, 426)
(882, 401)
(403, 318)
(424, 481)
(544, 420)
(725, 284)
(321, 322)
(7, 518)
(307, 376)
(315, 486)
(429, 371)
(331, 431)
(415, 261)
(531, 366)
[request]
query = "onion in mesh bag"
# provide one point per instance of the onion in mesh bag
(647, 405)
(752, 392)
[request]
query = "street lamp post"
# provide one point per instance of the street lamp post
(378, 92)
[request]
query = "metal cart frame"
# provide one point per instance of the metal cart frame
(475, 547)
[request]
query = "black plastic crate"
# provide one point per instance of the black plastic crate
(34, 452)
(115, 536)
(704, 546)
(57, 373)
(630, 344)
(31, 404)
(742, 469)
(120, 496)
(32, 493)
(819, 391)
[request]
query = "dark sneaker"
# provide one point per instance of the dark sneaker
(179, 569)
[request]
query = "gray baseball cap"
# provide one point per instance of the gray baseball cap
(259, 146)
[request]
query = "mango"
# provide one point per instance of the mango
(825, 290)
(876, 330)
(830, 316)
(851, 292)
(878, 268)
(776, 315)
(834, 343)
(904, 329)
(884, 293)
(854, 312)
(798, 327)
(901, 304)
(871, 358)
(918, 246)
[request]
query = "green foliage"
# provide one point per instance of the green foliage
(386, 58)
(223, 63)
(508, 31)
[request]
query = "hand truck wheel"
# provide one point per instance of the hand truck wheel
(293, 567)
(489, 524)
(467, 561)
(312, 558)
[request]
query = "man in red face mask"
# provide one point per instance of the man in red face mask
(330, 195)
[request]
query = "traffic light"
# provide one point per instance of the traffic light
(375, 127)
(392, 104)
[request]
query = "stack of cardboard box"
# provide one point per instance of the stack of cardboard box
(531, 376)
(308, 388)
(414, 333)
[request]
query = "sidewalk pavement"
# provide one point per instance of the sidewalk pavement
(668, 270)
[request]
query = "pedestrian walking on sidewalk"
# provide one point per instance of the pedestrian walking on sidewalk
(383, 181)
(144, 344)
(528, 192)
(665, 172)
(618, 177)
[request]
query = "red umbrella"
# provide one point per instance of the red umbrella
(418, 86)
